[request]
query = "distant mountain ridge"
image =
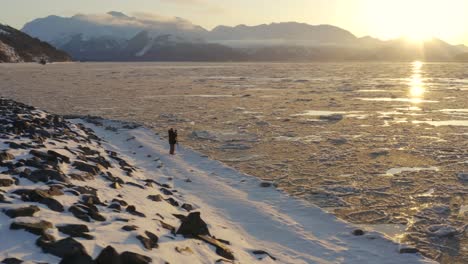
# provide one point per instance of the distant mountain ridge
(116, 36)
(16, 46)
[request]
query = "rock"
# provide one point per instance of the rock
(6, 182)
(134, 258)
(115, 185)
(166, 191)
(115, 207)
(358, 232)
(408, 250)
(59, 156)
(108, 256)
(64, 247)
(46, 175)
(187, 207)
(463, 177)
(221, 249)
(74, 230)
(55, 191)
(132, 210)
(23, 211)
(153, 238)
(135, 185)
(121, 202)
(37, 228)
(92, 169)
(79, 213)
(12, 261)
(155, 198)
(173, 202)
(77, 259)
(43, 156)
(4, 156)
(442, 231)
(193, 226)
(130, 228)
(265, 184)
(332, 118)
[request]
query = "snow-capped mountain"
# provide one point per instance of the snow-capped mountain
(116, 36)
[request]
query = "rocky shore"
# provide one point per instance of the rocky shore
(59, 184)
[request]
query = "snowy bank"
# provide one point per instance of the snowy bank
(99, 191)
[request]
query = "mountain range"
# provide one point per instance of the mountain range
(116, 36)
(16, 46)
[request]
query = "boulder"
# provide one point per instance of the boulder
(4, 156)
(37, 228)
(132, 210)
(187, 207)
(12, 261)
(108, 256)
(74, 230)
(58, 156)
(129, 228)
(155, 198)
(77, 259)
(46, 175)
(92, 169)
(134, 258)
(23, 211)
(193, 226)
(6, 182)
(64, 247)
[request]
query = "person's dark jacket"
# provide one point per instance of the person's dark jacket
(172, 136)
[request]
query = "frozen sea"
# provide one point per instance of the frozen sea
(382, 145)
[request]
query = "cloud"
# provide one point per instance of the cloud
(199, 4)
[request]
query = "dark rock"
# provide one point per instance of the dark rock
(37, 228)
(101, 161)
(121, 202)
(135, 185)
(187, 207)
(332, 118)
(193, 226)
(46, 175)
(42, 197)
(115, 206)
(173, 202)
(23, 211)
(6, 182)
(77, 259)
(90, 199)
(408, 250)
(263, 252)
(87, 151)
(146, 242)
(358, 232)
(134, 258)
(85, 190)
(55, 191)
(132, 210)
(43, 156)
(12, 261)
(154, 238)
(79, 213)
(109, 256)
(59, 156)
(76, 231)
(4, 156)
(221, 251)
(34, 163)
(155, 198)
(87, 167)
(130, 228)
(265, 184)
(166, 191)
(64, 247)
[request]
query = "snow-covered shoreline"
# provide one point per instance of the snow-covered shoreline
(255, 220)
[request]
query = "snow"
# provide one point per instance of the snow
(4, 32)
(249, 216)
(10, 52)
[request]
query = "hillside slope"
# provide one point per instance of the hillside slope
(16, 46)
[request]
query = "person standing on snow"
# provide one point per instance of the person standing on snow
(172, 140)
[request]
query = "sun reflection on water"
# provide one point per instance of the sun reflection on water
(417, 87)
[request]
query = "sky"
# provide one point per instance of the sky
(384, 19)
